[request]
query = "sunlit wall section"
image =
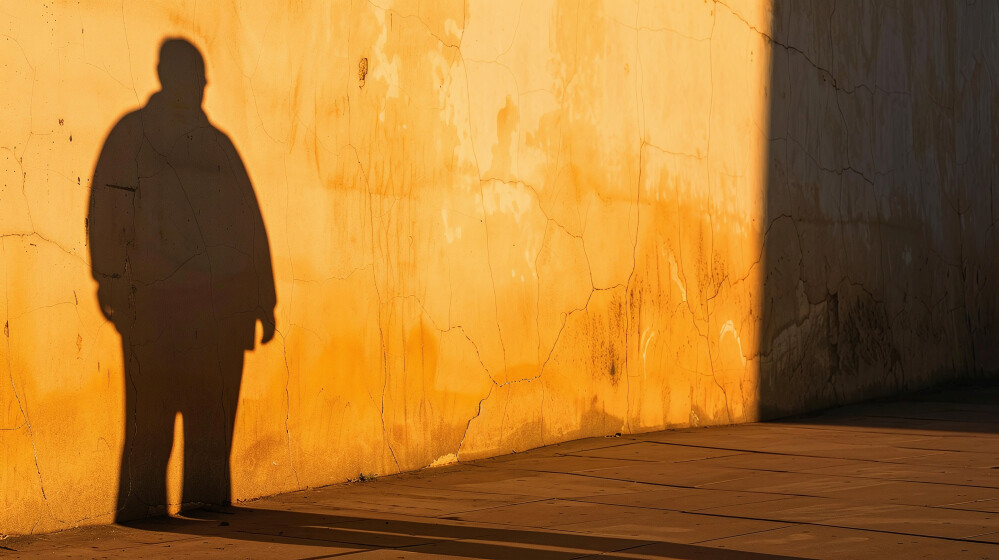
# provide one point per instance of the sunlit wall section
(628, 186)
(491, 227)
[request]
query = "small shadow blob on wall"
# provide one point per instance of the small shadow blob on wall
(181, 258)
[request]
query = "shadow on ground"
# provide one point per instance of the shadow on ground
(448, 538)
(957, 409)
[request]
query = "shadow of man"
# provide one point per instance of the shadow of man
(180, 255)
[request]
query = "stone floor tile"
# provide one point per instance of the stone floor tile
(670, 526)
(915, 493)
(548, 513)
(916, 425)
(992, 538)
(549, 485)
(379, 496)
(911, 471)
(775, 462)
(989, 506)
(657, 452)
(555, 463)
(617, 521)
(794, 484)
(677, 551)
(909, 520)
(691, 474)
(541, 544)
(959, 459)
(520, 482)
(682, 499)
(833, 543)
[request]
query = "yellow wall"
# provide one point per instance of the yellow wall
(512, 225)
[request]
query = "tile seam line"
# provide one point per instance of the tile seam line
(969, 539)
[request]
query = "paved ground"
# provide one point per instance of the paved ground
(912, 479)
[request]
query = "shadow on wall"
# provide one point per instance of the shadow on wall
(879, 201)
(181, 258)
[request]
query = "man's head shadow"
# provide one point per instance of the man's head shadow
(181, 70)
(182, 262)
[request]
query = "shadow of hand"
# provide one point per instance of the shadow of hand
(104, 301)
(268, 323)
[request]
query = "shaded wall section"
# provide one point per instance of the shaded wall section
(487, 228)
(880, 201)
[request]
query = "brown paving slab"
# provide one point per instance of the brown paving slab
(833, 543)
(832, 429)
(428, 535)
(527, 544)
(854, 435)
(618, 521)
(671, 526)
(914, 425)
(395, 532)
(39, 543)
(682, 499)
(944, 412)
(987, 506)
(86, 542)
(560, 448)
(987, 537)
(736, 438)
(690, 474)
(985, 478)
(677, 551)
(386, 555)
(405, 554)
(185, 546)
(796, 441)
(656, 452)
(321, 526)
(794, 484)
(378, 496)
(914, 493)
(816, 447)
(913, 520)
(548, 513)
(901, 428)
(652, 551)
(962, 443)
(216, 547)
(960, 459)
(956, 420)
(774, 462)
(554, 463)
(538, 484)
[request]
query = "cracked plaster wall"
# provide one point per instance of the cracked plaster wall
(881, 202)
(512, 224)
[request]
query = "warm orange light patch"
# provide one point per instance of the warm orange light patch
(490, 229)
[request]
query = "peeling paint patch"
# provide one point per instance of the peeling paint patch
(444, 460)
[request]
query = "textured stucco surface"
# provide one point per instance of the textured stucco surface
(495, 226)
(881, 200)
